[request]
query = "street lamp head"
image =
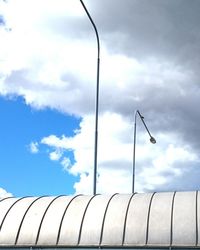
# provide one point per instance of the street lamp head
(152, 140)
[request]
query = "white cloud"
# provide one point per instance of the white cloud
(168, 163)
(55, 155)
(84, 186)
(156, 164)
(4, 193)
(66, 163)
(34, 147)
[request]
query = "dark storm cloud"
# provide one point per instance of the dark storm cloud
(168, 31)
(150, 28)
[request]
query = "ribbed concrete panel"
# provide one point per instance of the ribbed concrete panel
(160, 219)
(150, 220)
(32, 220)
(51, 223)
(71, 226)
(184, 219)
(114, 221)
(94, 220)
(198, 219)
(4, 207)
(12, 221)
(136, 225)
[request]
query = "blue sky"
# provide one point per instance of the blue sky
(149, 61)
(25, 173)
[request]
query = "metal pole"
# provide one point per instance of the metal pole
(97, 99)
(134, 144)
(152, 140)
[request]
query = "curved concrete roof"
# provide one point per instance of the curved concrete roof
(119, 220)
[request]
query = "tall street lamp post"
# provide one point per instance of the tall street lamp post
(152, 140)
(97, 99)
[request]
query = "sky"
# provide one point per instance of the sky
(149, 62)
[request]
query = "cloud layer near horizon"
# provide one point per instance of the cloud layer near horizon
(149, 61)
(4, 194)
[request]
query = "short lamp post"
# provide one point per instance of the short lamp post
(152, 140)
